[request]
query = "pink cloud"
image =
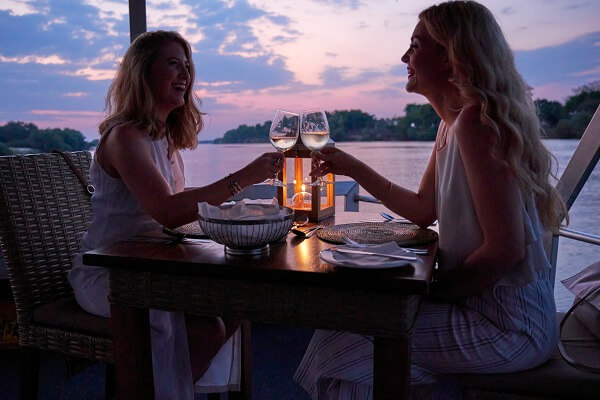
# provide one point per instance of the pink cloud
(553, 91)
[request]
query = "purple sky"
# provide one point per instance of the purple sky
(57, 57)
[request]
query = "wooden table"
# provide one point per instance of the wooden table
(291, 285)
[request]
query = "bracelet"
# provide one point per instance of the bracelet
(234, 186)
(391, 186)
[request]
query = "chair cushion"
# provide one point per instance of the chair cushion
(67, 314)
(554, 379)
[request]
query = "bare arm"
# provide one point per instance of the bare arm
(418, 207)
(128, 156)
(497, 202)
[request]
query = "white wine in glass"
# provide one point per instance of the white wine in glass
(314, 132)
(283, 135)
(283, 143)
(315, 140)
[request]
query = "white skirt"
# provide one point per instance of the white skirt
(169, 341)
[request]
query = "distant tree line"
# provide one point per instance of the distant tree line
(569, 121)
(20, 134)
(420, 122)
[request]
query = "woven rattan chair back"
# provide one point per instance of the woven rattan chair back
(44, 209)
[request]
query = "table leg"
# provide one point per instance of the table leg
(133, 355)
(391, 369)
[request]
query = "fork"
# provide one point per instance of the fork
(352, 243)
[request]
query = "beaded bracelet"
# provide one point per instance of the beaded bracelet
(234, 186)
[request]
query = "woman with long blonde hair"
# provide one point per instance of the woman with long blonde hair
(138, 175)
(492, 307)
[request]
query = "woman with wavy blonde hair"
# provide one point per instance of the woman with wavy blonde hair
(491, 307)
(486, 75)
(130, 96)
(138, 175)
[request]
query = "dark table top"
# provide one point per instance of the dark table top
(294, 260)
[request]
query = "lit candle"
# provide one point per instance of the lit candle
(302, 199)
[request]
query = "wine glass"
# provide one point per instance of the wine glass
(283, 135)
(314, 132)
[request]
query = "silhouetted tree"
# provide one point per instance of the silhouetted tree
(586, 102)
(15, 134)
(347, 125)
(4, 150)
(247, 134)
(21, 134)
(420, 122)
(549, 113)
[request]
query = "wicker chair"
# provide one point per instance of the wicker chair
(44, 209)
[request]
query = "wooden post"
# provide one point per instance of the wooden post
(137, 18)
(391, 369)
(133, 360)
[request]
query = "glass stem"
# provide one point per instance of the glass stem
(277, 173)
(315, 164)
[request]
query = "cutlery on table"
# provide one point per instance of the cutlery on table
(354, 243)
(399, 220)
(166, 240)
(370, 253)
(301, 220)
(308, 232)
(391, 218)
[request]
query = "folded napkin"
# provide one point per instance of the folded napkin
(245, 209)
(372, 261)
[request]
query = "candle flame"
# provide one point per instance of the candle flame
(303, 187)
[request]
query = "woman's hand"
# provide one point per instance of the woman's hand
(263, 167)
(333, 161)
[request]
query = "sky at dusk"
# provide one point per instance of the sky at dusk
(58, 57)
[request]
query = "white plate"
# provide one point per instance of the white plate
(375, 262)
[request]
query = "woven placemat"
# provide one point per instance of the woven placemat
(191, 230)
(377, 233)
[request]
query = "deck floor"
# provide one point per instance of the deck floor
(276, 351)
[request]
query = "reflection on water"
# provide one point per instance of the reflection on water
(404, 163)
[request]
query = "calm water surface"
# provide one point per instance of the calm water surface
(404, 163)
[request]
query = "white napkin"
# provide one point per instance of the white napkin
(371, 261)
(245, 209)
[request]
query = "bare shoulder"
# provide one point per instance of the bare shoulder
(472, 134)
(127, 135)
(124, 145)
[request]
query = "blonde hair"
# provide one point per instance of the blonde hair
(484, 71)
(130, 97)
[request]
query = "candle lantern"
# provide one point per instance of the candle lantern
(317, 202)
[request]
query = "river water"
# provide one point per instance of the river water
(404, 163)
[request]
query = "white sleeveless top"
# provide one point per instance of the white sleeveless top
(117, 213)
(459, 230)
(116, 216)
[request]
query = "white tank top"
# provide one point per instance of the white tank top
(117, 214)
(459, 230)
